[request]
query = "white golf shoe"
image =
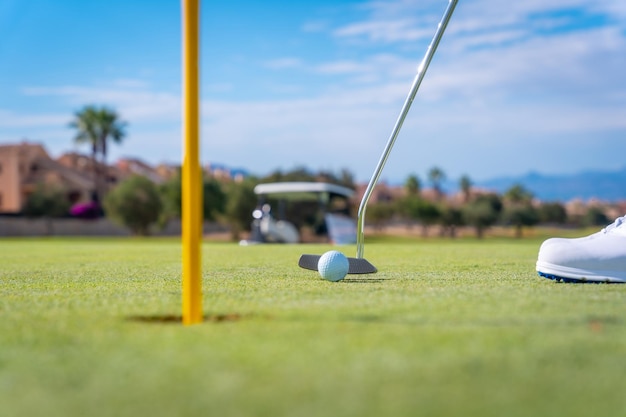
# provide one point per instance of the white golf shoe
(600, 257)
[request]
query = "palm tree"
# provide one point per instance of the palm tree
(519, 210)
(465, 183)
(436, 176)
(96, 126)
(412, 185)
(518, 194)
(111, 128)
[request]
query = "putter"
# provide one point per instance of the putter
(360, 265)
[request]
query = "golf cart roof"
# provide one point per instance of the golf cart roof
(283, 188)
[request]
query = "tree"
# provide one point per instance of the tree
(46, 202)
(300, 173)
(171, 192)
(425, 212)
(135, 204)
(518, 194)
(346, 178)
(552, 212)
(412, 185)
(519, 210)
(595, 216)
(240, 203)
(428, 215)
(451, 218)
(465, 184)
(214, 199)
(379, 213)
(482, 213)
(436, 176)
(520, 215)
(96, 126)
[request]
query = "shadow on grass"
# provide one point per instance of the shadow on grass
(365, 280)
(172, 318)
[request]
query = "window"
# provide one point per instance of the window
(0, 200)
(0, 169)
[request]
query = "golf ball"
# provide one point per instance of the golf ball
(333, 265)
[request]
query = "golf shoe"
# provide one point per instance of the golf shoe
(600, 257)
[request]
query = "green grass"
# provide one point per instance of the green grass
(446, 328)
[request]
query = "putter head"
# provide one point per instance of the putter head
(357, 265)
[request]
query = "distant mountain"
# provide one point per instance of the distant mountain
(604, 185)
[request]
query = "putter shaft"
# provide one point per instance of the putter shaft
(421, 71)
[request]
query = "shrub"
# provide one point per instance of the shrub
(482, 212)
(46, 201)
(135, 204)
(240, 202)
(214, 199)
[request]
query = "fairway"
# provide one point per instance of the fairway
(90, 327)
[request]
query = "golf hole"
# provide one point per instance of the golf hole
(172, 318)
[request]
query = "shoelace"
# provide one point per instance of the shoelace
(617, 223)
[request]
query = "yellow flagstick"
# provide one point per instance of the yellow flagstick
(191, 173)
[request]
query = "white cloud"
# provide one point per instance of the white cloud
(13, 120)
(490, 20)
(386, 31)
(133, 100)
(495, 85)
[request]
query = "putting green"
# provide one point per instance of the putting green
(446, 327)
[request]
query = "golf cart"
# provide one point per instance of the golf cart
(293, 212)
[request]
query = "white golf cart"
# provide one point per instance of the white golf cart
(293, 212)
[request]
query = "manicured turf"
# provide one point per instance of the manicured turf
(446, 328)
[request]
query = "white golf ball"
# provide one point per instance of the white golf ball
(333, 265)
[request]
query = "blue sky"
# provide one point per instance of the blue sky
(514, 87)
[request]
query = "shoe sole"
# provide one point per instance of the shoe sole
(582, 280)
(576, 280)
(578, 276)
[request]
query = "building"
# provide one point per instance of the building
(133, 166)
(223, 173)
(26, 165)
(108, 176)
